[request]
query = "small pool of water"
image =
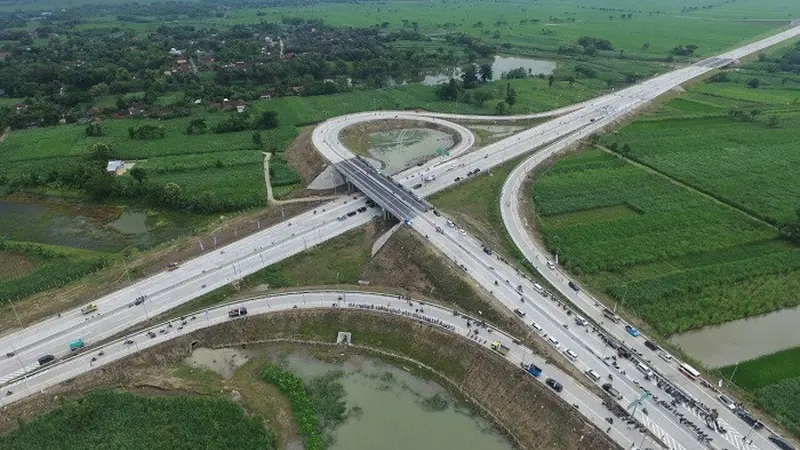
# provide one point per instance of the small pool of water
(393, 413)
(401, 149)
(500, 65)
(81, 226)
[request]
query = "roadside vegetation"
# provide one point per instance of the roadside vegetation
(773, 382)
(108, 419)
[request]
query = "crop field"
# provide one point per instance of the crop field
(549, 24)
(775, 381)
(106, 419)
(679, 260)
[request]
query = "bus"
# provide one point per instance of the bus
(689, 371)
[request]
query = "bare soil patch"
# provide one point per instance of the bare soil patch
(305, 159)
(15, 265)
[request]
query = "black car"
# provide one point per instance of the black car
(436, 213)
(46, 359)
(651, 345)
(781, 442)
(750, 420)
(417, 186)
(555, 385)
(574, 286)
(351, 214)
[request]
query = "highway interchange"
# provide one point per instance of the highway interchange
(396, 195)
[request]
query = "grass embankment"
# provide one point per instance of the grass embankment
(775, 382)
(686, 241)
(106, 419)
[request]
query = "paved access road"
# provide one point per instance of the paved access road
(575, 394)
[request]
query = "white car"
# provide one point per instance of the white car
(451, 224)
(462, 231)
(593, 375)
(537, 327)
(551, 266)
(665, 356)
(553, 341)
(570, 354)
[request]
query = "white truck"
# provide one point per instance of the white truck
(428, 177)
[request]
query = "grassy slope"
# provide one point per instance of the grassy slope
(105, 419)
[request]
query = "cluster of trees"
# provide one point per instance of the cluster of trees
(592, 44)
(147, 132)
(267, 120)
(790, 61)
(681, 50)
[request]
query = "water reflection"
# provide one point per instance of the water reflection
(500, 65)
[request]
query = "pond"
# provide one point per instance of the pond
(400, 149)
(101, 228)
(741, 340)
(397, 409)
(500, 65)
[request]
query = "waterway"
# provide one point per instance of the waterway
(394, 409)
(741, 340)
(500, 65)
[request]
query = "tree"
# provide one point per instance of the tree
(626, 149)
(138, 174)
(197, 126)
(95, 130)
(646, 46)
(773, 122)
(267, 120)
(550, 80)
(257, 141)
(469, 77)
(99, 186)
(172, 194)
(511, 95)
(481, 97)
(486, 72)
(500, 108)
(101, 152)
(754, 83)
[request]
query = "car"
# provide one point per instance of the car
(537, 327)
(417, 186)
(172, 266)
(574, 286)
(462, 231)
(487, 250)
(665, 356)
(725, 400)
(343, 217)
(151, 335)
(139, 301)
(632, 331)
(781, 443)
(651, 345)
(570, 354)
(551, 266)
(457, 179)
(477, 169)
(46, 359)
(592, 374)
(553, 341)
(519, 313)
(237, 312)
(581, 321)
(642, 367)
(554, 385)
(437, 213)
(351, 214)
(451, 224)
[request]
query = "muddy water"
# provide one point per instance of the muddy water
(741, 340)
(58, 226)
(400, 149)
(393, 415)
(500, 65)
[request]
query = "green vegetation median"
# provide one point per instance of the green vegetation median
(107, 419)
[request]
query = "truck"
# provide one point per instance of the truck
(611, 315)
(534, 370)
(237, 312)
(90, 308)
(611, 391)
(46, 359)
(77, 344)
(500, 348)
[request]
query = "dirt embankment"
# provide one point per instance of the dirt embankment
(530, 414)
(304, 158)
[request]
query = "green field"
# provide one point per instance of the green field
(775, 381)
(685, 234)
(106, 419)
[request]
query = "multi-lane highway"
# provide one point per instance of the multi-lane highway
(399, 196)
(463, 326)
